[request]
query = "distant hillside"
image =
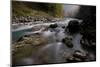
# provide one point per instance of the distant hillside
(20, 8)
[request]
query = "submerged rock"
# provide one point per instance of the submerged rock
(70, 59)
(39, 41)
(68, 42)
(63, 27)
(21, 38)
(77, 59)
(79, 54)
(88, 43)
(26, 35)
(31, 40)
(73, 59)
(85, 42)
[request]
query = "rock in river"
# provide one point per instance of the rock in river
(68, 42)
(79, 54)
(73, 59)
(88, 43)
(39, 40)
(53, 26)
(73, 26)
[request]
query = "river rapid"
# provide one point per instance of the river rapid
(54, 50)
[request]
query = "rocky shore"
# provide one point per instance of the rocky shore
(26, 19)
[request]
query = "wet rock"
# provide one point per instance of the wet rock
(85, 42)
(93, 43)
(32, 40)
(63, 27)
(77, 59)
(70, 59)
(73, 26)
(20, 39)
(20, 43)
(26, 35)
(39, 41)
(29, 41)
(36, 28)
(53, 26)
(73, 59)
(49, 19)
(79, 54)
(68, 42)
(88, 43)
(36, 40)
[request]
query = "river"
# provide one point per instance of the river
(55, 49)
(18, 30)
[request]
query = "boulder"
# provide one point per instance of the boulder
(88, 43)
(79, 54)
(53, 26)
(68, 42)
(85, 42)
(39, 41)
(20, 39)
(73, 26)
(28, 41)
(77, 59)
(70, 59)
(26, 35)
(63, 27)
(73, 59)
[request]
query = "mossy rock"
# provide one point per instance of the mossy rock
(68, 42)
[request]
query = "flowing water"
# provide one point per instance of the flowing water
(55, 49)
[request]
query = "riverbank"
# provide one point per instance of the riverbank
(18, 24)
